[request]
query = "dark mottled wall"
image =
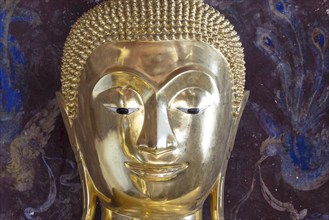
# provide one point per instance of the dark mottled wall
(282, 145)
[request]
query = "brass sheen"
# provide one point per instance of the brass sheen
(149, 20)
(151, 114)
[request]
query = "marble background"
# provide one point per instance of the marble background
(282, 146)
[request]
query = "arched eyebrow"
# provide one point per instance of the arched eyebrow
(192, 77)
(185, 69)
(141, 83)
(121, 79)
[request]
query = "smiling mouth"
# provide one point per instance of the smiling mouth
(156, 172)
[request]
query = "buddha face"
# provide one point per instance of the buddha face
(153, 125)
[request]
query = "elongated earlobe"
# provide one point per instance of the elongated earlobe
(217, 192)
(214, 200)
(237, 119)
(67, 121)
(89, 196)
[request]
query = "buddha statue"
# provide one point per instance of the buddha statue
(152, 94)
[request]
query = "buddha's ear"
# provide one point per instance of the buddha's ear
(237, 118)
(217, 193)
(242, 106)
(89, 196)
(67, 121)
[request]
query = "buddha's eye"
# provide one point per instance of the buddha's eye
(192, 101)
(192, 111)
(121, 111)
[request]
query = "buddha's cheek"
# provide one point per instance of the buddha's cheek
(203, 139)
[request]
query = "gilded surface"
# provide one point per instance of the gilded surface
(152, 95)
(151, 116)
(117, 21)
(286, 47)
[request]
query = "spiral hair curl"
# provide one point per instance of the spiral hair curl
(149, 20)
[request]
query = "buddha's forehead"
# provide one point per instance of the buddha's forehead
(155, 60)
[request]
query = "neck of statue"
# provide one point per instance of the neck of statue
(109, 215)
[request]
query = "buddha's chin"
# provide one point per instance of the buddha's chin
(128, 205)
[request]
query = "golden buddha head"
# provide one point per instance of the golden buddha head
(152, 93)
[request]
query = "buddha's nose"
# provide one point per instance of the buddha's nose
(156, 136)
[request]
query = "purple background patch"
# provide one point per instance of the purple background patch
(279, 167)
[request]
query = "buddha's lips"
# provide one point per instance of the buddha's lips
(156, 172)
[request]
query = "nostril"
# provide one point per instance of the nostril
(171, 141)
(143, 141)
